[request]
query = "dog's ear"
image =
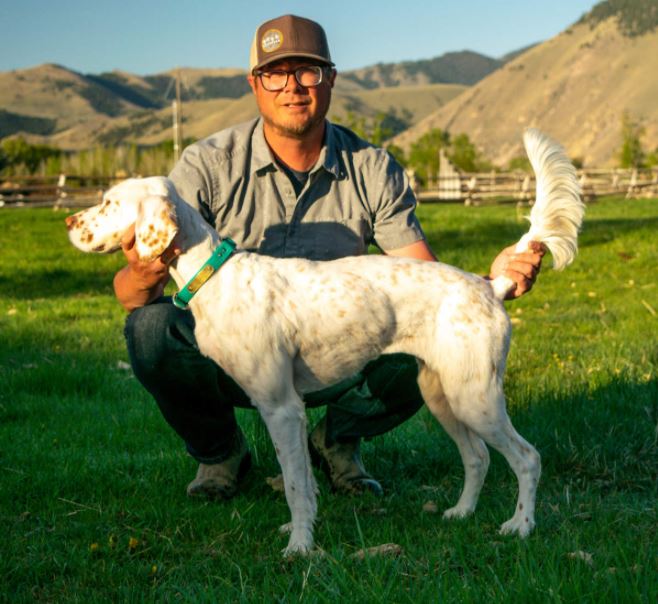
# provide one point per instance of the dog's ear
(155, 227)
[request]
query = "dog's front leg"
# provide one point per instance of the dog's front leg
(286, 423)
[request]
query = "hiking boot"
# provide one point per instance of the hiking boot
(220, 480)
(341, 462)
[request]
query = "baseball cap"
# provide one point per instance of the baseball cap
(288, 36)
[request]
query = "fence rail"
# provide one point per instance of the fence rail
(452, 186)
(53, 191)
(500, 187)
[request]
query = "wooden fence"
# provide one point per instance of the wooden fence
(452, 186)
(501, 187)
(53, 191)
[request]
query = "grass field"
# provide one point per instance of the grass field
(92, 481)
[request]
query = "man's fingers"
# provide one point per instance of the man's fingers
(128, 239)
(525, 269)
(523, 283)
(170, 254)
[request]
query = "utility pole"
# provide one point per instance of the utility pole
(177, 110)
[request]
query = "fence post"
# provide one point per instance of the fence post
(450, 185)
(632, 185)
(471, 187)
(61, 192)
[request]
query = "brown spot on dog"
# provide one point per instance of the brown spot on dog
(521, 509)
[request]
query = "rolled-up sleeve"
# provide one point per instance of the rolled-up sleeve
(395, 224)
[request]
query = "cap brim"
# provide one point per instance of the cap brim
(292, 55)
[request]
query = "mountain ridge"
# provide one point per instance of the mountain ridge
(575, 86)
(47, 101)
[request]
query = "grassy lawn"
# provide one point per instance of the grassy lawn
(92, 481)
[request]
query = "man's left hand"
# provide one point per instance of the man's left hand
(522, 268)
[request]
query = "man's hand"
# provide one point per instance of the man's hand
(522, 268)
(140, 282)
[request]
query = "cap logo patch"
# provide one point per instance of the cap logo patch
(271, 40)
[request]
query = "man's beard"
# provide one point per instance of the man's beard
(294, 130)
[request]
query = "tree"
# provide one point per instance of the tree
(398, 154)
(652, 158)
(18, 152)
(465, 156)
(424, 153)
(379, 128)
(631, 154)
(521, 163)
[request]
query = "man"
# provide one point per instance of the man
(289, 184)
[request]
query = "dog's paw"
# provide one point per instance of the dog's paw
(295, 552)
(299, 544)
(457, 511)
(313, 552)
(519, 524)
(286, 529)
(298, 550)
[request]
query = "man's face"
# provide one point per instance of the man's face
(296, 110)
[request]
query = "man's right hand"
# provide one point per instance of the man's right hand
(139, 283)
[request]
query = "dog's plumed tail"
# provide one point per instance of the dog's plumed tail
(558, 210)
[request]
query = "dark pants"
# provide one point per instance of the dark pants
(197, 398)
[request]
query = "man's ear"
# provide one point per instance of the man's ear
(332, 77)
(252, 82)
(155, 227)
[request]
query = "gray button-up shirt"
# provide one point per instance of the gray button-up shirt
(356, 194)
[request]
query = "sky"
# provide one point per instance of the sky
(147, 36)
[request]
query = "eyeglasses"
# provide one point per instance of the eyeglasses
(307, 76)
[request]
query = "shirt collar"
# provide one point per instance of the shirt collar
(329, 154)
(261, 156)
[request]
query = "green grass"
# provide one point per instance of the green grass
(87, 463)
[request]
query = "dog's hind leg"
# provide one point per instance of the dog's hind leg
(482, 408)
(474, 453)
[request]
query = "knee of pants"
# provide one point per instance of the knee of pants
(157, 333)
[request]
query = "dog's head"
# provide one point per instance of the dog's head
(145, 202)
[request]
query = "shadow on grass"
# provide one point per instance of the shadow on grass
(57, 282)
(603, 439)
(601, 231)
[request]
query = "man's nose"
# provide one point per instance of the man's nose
(292, 85)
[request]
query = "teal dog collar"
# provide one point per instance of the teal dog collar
(221, 254)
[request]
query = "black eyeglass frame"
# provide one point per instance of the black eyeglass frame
(296, 72)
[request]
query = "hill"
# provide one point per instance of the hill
(55, 105)
(464, 67)
(575, 86)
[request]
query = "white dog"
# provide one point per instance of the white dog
(283, 327)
